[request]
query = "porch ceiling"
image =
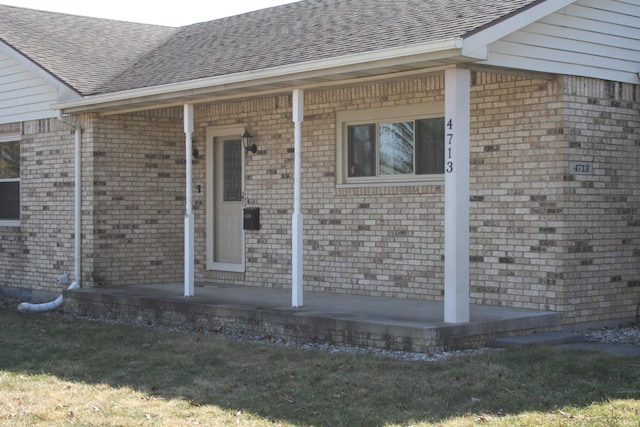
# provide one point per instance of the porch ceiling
(269, 82)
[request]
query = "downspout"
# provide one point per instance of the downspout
(77, 251)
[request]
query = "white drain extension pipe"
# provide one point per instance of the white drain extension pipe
(45, 306)
(48, 306)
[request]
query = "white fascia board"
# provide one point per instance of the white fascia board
(251, 78)
(64, 91)
(482, 53)
(484, 38)
(10, 137)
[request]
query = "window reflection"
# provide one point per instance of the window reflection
(413, 147)
(396, 148)
(10, 160)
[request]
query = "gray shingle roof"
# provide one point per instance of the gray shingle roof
(83, 52)
(306, 31)
(285, 35)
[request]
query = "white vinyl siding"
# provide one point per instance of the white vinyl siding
(591, 38)
(23, 95)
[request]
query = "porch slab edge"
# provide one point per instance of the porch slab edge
(289, 324)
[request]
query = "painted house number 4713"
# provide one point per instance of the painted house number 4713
(449, 140)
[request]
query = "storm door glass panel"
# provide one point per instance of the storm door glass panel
(228, 249)
(396, 148)
(232, 171)
(430, 146)
(362, 150)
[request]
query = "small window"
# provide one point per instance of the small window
(9, 181)
(391, 150)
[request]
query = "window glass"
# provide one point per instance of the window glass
(232, 154)
(396, 148)
(10, 180)
(9, 200)
(430, 146)
(391, 150)
(362, 150)
(9, 160)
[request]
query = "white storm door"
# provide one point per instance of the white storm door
(227, 245)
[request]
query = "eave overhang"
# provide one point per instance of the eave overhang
(380, 65)
(333, 72)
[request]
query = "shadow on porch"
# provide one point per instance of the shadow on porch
(389, 323)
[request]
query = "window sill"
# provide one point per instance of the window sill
(10, 223)
(437, 180)
(378, 188)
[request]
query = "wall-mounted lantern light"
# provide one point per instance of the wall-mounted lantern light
(246, 141)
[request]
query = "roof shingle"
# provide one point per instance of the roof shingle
(116, 56)
(82, 52)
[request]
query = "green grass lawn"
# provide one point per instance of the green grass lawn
(56, 371)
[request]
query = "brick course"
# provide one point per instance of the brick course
(541, 236)
(35, 253)
(137, 198)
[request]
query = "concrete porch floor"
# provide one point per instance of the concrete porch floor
(390, 323)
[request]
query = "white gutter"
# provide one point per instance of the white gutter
(355, 62)
(473, 47)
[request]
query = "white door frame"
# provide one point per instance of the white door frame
(234, 131)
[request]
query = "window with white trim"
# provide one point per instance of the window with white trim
(391, 145)
(9, 180)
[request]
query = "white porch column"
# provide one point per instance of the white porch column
(189, 234)
(297, 235)
(456, 195)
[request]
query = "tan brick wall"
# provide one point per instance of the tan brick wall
(541, 238)
(601, 233)
(12, 250)
(136, 199)
(518, 164)
(377, 241)
(35, 253)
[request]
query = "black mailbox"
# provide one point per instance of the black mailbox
(251, 219)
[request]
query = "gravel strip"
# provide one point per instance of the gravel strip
(629, 335)
(335, 349)
(622, 335)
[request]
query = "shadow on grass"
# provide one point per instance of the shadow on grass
(308, 387)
